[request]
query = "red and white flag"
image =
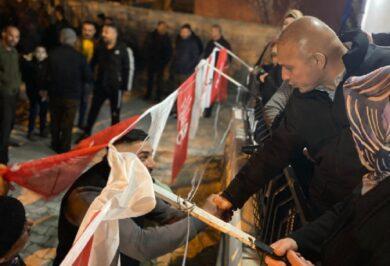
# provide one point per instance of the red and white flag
(203, 86)
(51, 175)
(219, 90)
(185, 101)
(129, 193)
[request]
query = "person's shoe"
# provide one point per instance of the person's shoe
(31, 137)
(54, 148)
(15, 143)
(44, 134)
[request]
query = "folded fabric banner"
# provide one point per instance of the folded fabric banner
(129, 193)
(160, 114)
(219, 90)
(51, 175)
(185, 101)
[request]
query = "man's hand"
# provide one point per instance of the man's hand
(213, 209)
(281, 248)
(222, 203)
(4, 185)
(296, 259)
(262, 77)
(224, 206)
(210, 207)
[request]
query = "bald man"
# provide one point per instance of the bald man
(316, 62)
(10, 80)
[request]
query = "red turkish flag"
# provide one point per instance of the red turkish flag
(185, 101)
(51, 175)
(219, 90)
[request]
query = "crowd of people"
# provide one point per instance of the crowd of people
(325, 97)
(68, 71)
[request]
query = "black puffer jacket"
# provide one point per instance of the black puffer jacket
(314, 121)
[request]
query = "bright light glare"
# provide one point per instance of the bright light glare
(376, 16)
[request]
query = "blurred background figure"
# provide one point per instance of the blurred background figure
(112, 64)
(52, 36)
(68, 72)
(271, 80)
(87, 45)
(158, 51)
(34, 71)
(216, 36)
(186, 56)
(10, 81)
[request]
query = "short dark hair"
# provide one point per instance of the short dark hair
(60, 10)
(8, 26)
(111, 25)
(132, 136)
(161, 22)
(186, 26)
(101, 16)
(88, 22)
(217, 26)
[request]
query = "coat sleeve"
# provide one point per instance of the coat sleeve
(277, 103)
(125, 69)
(311, 237)
(131, 69)
(145, 244)
(264, 165)
(163, 213)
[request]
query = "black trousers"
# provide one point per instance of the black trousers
(37, 106)
(155, 76)
(99, 97)
(63, 113)
(7, 118)
(84, 104)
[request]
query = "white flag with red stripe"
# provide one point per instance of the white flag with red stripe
(129, 193)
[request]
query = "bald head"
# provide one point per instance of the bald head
(10, 36)
(308, 47)
(310, 35)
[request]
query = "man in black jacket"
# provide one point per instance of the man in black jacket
(158, 48)
(216, 36)
(68, 71)
(111, 61)
(355, 231)
(314, 60)
(186, 56)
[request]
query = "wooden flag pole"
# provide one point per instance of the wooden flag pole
(214, 222)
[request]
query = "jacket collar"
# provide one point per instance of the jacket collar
(356, 55)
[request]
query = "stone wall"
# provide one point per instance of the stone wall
(247, 39)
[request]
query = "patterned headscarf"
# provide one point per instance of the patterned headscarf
(368, 110)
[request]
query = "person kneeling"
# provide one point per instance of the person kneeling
(137, 243)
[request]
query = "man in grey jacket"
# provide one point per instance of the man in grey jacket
(137, 242)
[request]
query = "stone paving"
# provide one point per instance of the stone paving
(41, 247)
